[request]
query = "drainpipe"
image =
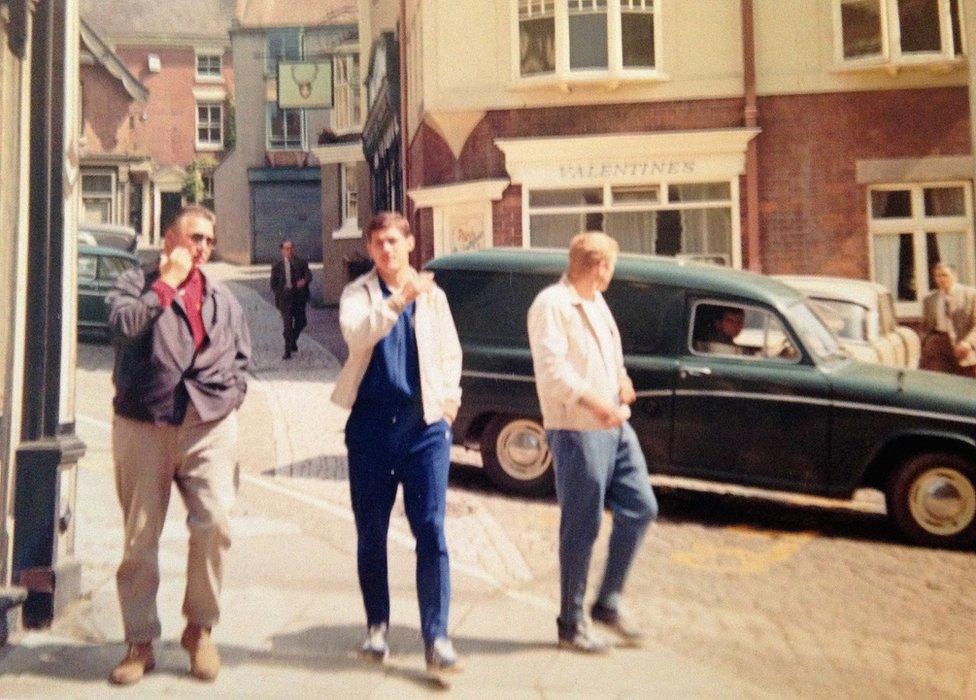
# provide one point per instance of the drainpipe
(404, 126)
(750, 118)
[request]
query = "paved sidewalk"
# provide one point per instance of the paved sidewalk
(292, 614)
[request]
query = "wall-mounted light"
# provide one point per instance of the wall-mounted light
(155, 65)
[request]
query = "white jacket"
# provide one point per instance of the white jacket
(567, 358)
(365, 318)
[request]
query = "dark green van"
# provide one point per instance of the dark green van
(780, 406)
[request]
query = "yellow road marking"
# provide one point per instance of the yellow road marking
(721, 558)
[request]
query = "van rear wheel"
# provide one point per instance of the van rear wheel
(515, 455)
(932, 499)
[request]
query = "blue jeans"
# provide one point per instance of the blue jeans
(389, 446)
(594, 469)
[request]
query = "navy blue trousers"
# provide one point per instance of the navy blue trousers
(389, 446)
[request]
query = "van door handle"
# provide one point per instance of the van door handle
(695, 372)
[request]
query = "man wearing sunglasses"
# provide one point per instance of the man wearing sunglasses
(181, 351)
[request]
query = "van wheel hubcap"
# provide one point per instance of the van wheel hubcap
(522, 451)
(942, 501)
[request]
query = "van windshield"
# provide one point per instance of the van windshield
(813, 333)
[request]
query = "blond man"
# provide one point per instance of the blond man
(585, 394)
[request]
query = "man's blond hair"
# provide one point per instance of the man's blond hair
(589, 249)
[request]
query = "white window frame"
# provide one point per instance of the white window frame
(662, 204)
(347, 111)
(270, 107)
(918, 225)
(209, 77)
(891, 55)
(210, 145)
(110, 197)
(348, 205)
(611, 76)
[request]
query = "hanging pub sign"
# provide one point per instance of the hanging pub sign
(305, 84)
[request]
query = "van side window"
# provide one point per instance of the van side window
(480, 304)
(638, 308)
(738, 330)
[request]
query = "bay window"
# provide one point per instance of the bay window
(896, 32)
(570, 40)
(913, 227)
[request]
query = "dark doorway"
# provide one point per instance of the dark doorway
(170, 206)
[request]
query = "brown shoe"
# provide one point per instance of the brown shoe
(204, 657)
(138, 660)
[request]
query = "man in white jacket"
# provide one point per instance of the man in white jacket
(402, 382)
(585, 393)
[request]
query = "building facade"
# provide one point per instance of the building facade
(294, 172)
(39, 184)
(815, 136)
(141, 152)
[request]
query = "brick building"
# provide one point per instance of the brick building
(157, 103)
(814, 136)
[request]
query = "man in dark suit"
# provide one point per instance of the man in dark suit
(290, 278)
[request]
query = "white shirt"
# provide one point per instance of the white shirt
(287, 273)
(570, 360)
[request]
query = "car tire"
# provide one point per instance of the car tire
(516, 457)
(932, 499)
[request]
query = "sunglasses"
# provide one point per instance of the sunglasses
(201, 239)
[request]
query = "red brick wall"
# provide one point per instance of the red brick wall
(170, 129)
(813, 213)
(112, 119)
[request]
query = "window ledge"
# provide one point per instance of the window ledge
(350, 229)
(209, 146)
(210, 79)
(936, 64)
(609, 80)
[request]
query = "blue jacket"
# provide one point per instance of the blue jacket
(157, 371)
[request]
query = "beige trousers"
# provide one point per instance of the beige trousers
(200, 458)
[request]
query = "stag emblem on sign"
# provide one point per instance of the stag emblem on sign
(299, 74)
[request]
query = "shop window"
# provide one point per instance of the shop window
(692, 221)
(210, 126)
(282, 45)
(209, 68)
(346, 116)
(912, 227)
(98, 197)
(572, 40)
(896, 32)
(285, 128)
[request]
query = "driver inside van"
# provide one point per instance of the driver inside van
(718, 337)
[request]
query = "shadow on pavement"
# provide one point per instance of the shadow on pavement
(716, 510)
(326, 648)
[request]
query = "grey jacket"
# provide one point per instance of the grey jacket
(157, 370)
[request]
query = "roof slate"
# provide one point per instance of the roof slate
(147, 19)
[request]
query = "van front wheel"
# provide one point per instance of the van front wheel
(516, 456)
(932, 499)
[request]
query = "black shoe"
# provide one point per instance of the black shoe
(294, 346)
(287, 355)
(617, 621)
(580, 638)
